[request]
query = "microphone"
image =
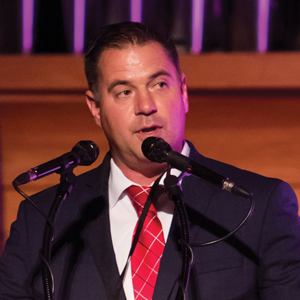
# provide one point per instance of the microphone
(158, 150)
(84, 153)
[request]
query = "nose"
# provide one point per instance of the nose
(145, 104)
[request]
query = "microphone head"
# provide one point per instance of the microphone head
(156, 149)
(88, 152)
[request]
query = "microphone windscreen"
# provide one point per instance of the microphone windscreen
(88, 152)
(156, 149)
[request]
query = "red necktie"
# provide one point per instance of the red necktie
(145, 259)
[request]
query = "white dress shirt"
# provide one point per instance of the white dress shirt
(123, 218)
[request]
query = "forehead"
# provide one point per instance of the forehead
(134, 60)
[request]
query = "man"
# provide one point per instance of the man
(136, 90)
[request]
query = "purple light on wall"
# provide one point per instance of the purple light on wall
(136, 10)
(263, 28)
(79, 19)
(197, 25)
(27, 11)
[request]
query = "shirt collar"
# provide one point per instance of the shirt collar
(118, 182)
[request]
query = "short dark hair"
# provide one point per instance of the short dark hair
(118, 36)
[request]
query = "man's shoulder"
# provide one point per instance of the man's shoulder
(245, 178)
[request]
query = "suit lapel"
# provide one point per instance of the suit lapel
(99, 236)
(197, 195)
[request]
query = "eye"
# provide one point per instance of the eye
(124, 93)
(161, 84)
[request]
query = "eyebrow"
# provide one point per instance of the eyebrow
(127, 82)
(160, 73)
(118, 82)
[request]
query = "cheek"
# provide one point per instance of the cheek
(176, 112)
(114, 121)
(107, 120)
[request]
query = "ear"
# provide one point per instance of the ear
(93, 106)
(184, 93)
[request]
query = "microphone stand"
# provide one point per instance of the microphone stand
(67, 181)
(174, 191)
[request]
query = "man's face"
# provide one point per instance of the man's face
(139, 96)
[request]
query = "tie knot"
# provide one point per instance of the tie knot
(138, 196)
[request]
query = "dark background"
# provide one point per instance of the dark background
(229, 25)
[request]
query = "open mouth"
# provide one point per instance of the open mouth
(150, 129)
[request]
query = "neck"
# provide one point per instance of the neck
(142, 173)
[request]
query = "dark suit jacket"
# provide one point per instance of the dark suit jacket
(261, 261)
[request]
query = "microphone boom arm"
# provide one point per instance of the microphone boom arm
(158, 150)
